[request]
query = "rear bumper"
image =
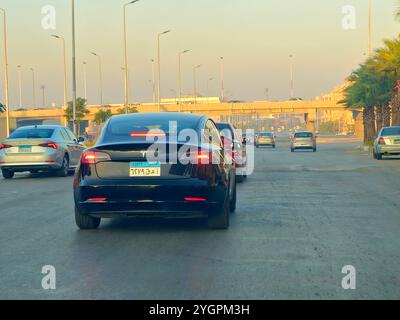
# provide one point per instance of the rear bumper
(385, 149)
(303, 146)
(165, 199)
(22, 167)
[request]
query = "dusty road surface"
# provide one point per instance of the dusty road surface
(301, 217)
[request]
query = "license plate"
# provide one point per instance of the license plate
(25, 149)
(145, 169)
(396, 141)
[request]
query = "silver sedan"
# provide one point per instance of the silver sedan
(40, 148)
(387, 143)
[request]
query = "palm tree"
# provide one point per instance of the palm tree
(387, 61)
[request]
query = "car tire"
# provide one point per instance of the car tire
(379, 156)
(64, 170)
(314, 150)
(239, 178)
(86, 222)
(274, 147)
(219, 220)
(232, 204)
(7, 174)
(292, 149)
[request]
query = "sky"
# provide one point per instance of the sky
(255, 37)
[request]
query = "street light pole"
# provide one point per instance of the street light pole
(159, 68)
(33, 88)
(291, 77)
(195, 83)
(369, 27)
(65, 70)
(153, 80)
(100, 77)
(20, 85)
(73, 71)
(126, 58)
(43, 87)
(208, 88)
(85, 80)
(6, 72)
(180, 78)
(222, 79)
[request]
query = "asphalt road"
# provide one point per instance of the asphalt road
(301, 217)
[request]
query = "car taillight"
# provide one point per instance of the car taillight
(4, 146)
(51, 145)
(193, 199)
(93, 157)
(203, 157)
(147, 134)
(382, 141)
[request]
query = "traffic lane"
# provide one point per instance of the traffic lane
(276, 248)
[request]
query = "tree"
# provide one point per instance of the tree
(81, 111)
(102, 116)
(131, 109)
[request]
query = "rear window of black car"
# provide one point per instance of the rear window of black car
(225, 128)
(303, 135)
(391, 132)
(122, 129)
(32, 133)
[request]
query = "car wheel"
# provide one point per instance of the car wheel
(314, 150)
(64, 170)
(7, 174)
(379, 156)
(273, 146)
(292, 149)
(220, 218)
(239, 178)
(232, 204)
(86, 222)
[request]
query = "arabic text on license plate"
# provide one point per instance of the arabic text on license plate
(25, 149)
(145, 169)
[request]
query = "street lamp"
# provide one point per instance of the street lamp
(291, 77)
(65, 69)
(180, 77)
(43, 87)
(6, 72)
(369, 27)
(100, 77)
(126, 58)
(20, 85)
(73, 70)
(208, 88)
(159, 68)
(222, 79)
(85, 79)
(33, 87)
(153, 80)
(194, 83)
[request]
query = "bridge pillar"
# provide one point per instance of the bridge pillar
(311, 119)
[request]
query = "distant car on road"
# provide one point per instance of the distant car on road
(40, 148)
(121, 177)
(303, 140)
(265, 139)
(387, 143)
(235, 147)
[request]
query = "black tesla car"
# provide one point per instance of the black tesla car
(164, 165)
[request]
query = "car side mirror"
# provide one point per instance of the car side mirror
(244, 141)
